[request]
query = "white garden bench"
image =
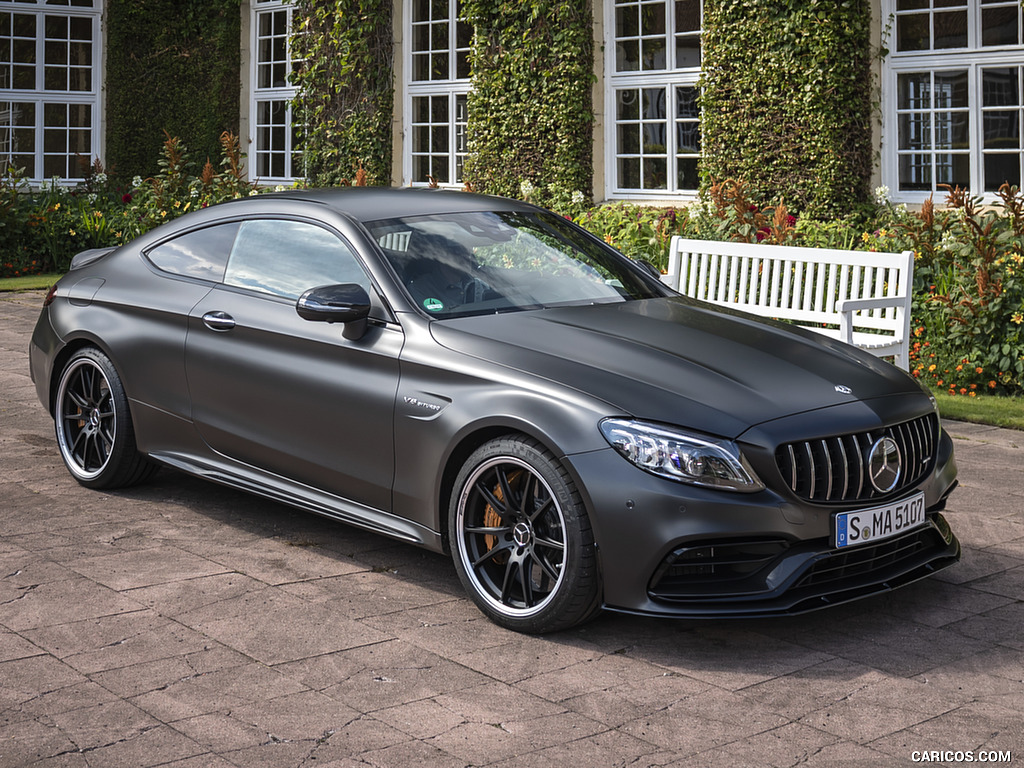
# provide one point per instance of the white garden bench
(860, 297)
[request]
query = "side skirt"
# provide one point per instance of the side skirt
(303, 497)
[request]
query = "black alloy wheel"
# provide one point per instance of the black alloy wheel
(521, 539)
(94, 425)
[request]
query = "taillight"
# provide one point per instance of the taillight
(50, 295)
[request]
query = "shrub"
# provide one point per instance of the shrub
(17, 255)
(639, 232)
(41, 231)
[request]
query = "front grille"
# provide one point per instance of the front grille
(835, 469)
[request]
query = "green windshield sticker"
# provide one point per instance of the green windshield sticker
(433, 305)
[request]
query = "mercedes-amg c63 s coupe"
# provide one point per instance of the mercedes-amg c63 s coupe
(484, 378)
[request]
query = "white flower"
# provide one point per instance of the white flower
(526, 188)
(100, 178)
(578, 197)
(137, 181)
(882, 195)
(700, 208)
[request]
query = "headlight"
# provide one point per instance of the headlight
(681, 456)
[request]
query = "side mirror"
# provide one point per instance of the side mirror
(347, 303)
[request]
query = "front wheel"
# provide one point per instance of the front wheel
(94, 426)
(521, 539)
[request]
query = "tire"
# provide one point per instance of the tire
(521, 538)
(94, 426)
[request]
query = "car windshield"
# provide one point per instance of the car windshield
(460, 264)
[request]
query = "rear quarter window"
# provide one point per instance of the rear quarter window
(202, 253)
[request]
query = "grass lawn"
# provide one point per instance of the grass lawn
(1005, 412)
(29, 282)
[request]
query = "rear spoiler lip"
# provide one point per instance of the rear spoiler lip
(88, 257)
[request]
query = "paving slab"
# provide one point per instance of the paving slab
(188, 625)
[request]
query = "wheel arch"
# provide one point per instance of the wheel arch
(60, 360)
(464, 447)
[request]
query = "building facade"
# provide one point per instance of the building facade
(950, 91)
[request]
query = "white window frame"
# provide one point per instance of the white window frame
(40, 97)
(270, 95)
(972, 59)
(668, 78)
(452, 88)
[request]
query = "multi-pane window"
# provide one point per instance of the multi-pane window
(274, 153)
(954, 77)
(933, 119)
(49, 86)
(436, 92)
(654, 125)
(1002, 110)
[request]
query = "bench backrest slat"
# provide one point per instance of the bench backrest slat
(803, 285)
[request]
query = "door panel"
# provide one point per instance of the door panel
(295, 397)
(287, 395)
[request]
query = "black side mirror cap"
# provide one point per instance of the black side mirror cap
(347, 303)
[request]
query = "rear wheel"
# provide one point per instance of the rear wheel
(521, 539)
(94, 426)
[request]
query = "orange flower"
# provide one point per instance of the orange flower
(973, 394)
(991, 385)
(979, 369)
(963, 391)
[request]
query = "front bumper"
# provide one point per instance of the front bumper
(670, 549)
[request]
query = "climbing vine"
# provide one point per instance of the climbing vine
(787, 100)
(530, 108)
(345, 103)
(171, 65)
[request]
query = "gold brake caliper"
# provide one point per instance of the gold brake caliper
(493, 520)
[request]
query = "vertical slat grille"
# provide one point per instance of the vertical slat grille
(835, 469)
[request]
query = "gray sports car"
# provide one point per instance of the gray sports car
(481, 377)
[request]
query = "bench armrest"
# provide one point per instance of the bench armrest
(855, 305)
(847, 307)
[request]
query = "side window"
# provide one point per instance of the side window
(202, 253)
(287, 258)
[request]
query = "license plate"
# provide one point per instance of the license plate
(867, 526)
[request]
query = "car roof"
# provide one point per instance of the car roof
(367, 204)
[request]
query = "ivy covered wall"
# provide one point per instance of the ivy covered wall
(787, 100)
(530, 108)
(787, 92)
(346, 86)
(172, 65)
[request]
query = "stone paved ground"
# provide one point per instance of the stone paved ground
(183, 624)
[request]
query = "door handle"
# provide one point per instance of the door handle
(218, 321)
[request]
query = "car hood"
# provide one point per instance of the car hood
(679, 361)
